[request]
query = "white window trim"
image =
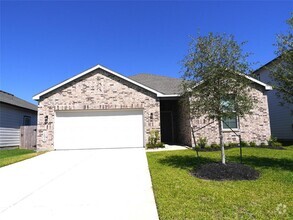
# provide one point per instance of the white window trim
(233, 129)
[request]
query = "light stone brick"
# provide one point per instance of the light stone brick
(253, 127)
(98, 90)
(101, 90)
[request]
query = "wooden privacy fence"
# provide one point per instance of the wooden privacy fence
(28, 137)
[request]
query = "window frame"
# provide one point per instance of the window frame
(26, 117)
(236, 117)
(229, 129)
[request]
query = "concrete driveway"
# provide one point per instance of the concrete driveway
(79, 184)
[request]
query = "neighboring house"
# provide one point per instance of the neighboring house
(14, 112)
(100, 108)
(281, 117)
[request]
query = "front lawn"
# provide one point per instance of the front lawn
(179, 195)
(12, 156)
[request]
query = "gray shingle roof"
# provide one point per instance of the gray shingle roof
(163, 84)
(13, 100)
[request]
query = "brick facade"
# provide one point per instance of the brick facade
(98, 90)
(254, 127)
(101, 90)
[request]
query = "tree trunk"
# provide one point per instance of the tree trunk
(221, 142)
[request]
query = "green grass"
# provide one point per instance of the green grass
(182, 196)
(15, 155)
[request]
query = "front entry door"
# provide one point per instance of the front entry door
(167, 131)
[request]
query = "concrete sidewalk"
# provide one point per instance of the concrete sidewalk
(169, 147)
(80, 184)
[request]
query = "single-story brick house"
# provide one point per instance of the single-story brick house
(100, 108)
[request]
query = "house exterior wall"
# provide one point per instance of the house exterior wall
(254, 127)
(11, 118)
(280, 116)
(98, 90)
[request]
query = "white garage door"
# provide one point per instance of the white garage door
(98, 129)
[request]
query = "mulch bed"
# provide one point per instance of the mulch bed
(229, 171)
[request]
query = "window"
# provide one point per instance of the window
(230, 123)
(228, 105)
(26, 120)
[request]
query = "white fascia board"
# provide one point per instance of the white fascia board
(267, 87)
(37, 97)
(166, 96)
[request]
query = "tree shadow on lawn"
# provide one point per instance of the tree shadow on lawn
(265, 162)
(191, 162)
(185, 162)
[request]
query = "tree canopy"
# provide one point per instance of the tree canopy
(282, 69)
(214, 72)
(214, 79)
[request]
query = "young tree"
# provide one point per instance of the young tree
(282, 70)
(214, 79)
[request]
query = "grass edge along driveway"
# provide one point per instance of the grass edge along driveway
(11, 156)
(181, 196)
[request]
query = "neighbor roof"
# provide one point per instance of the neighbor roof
(10, 99)
(163, 84)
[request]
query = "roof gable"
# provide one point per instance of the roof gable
(38, 96)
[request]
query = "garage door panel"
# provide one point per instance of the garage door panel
(98, 129)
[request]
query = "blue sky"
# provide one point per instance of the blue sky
(46, 42)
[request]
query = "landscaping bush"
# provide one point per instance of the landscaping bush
(233, 145)
(157, 145)
(196, 147)
(160, 145)
(153, 141)
(202, 142)
(215, 146)
(277, 144)
(244, 144)
(263, 145)
(208, 148)
(252, 144)
(273, 142)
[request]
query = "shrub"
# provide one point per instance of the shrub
(233, 145)
(160, 145)
(153, 141)
(262, 144)
(196, 147)
(149, 146)
(244, 144)
(208, 148)
(157, 145)
(215, 146)
(252, 144)
(273, 142)
(202, 142)
(277, 144)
